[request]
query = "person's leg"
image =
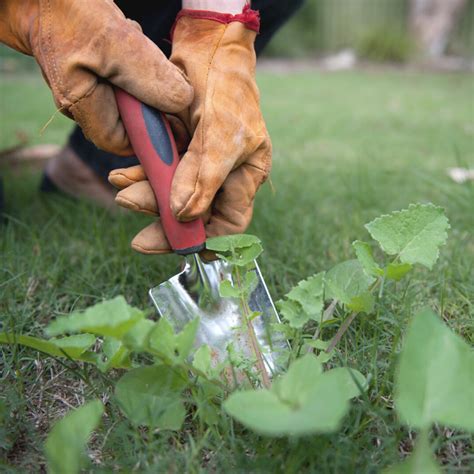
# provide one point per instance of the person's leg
(80, 158)
(2, 200)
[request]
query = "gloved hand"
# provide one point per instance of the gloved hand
(229, 155)
(84, 46)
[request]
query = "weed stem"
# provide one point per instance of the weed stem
(340, 332)
(253, 338)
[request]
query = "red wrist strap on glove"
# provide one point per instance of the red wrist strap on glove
(250, 18)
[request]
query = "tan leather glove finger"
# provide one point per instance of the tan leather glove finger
(82, 48)
(137, 195)
(231, 211)
(224, 118)
(151, 240)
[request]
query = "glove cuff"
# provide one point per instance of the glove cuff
(250, 18)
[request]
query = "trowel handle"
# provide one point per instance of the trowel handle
(152, 140)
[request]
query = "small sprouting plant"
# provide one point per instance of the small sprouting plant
(164, 376)
(240, 251)
(406, 238)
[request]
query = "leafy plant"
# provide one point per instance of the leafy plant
(435, 379)
(305, 400)
(408, 237)
(240, 251)
(167, 377)
(434, 384)
(386, 44)
(66, 442)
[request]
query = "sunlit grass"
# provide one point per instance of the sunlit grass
(347, 147)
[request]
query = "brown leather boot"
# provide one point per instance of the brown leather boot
(68, 174)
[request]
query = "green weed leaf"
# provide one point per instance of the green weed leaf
(238, 249)
(414, 234)
(113, 355)
(175, 347)
(250, 282)
(110, 318)
(304, 301)
(285, 329)
(309, 294)
(243, 257)
(162, 339)
(65, 444)
(396, 271)
(74, 347)
(185, 339)
(435, 379)
(228, 243)
(293, 313)
(321, 346)
(136, 339)
(203, 359)
(364, 255)
(204, 362)
(303, 401)
(295, 385)
(348, 282)
(150, 396)
(226, 290)
(363, 303)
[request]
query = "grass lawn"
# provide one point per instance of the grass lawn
(347, 148)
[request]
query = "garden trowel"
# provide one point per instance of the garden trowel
(194, 292)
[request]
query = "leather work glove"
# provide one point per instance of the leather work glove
(229, 155)
(84, 46)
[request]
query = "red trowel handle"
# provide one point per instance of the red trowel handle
(154, 145)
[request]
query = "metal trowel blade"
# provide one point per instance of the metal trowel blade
(194, 293)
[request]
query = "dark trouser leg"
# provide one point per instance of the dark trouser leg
(273, 14)
(2, 200)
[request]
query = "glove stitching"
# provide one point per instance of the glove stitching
(206, 95)
(203, 117)
(51, 61)
(258, 168)
(77, 112)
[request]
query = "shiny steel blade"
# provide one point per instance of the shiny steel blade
(194, 292)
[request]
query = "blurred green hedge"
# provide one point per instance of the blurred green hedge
(373, 27)
(377, 29)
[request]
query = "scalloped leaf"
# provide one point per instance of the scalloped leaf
(237, 249)
(348, 282)
(303, 401)
(112, 318)
(226, 243)
(309, 294)
(293, 313)
(414, 235)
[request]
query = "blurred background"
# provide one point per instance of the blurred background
(380, 30)
(396, 31)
